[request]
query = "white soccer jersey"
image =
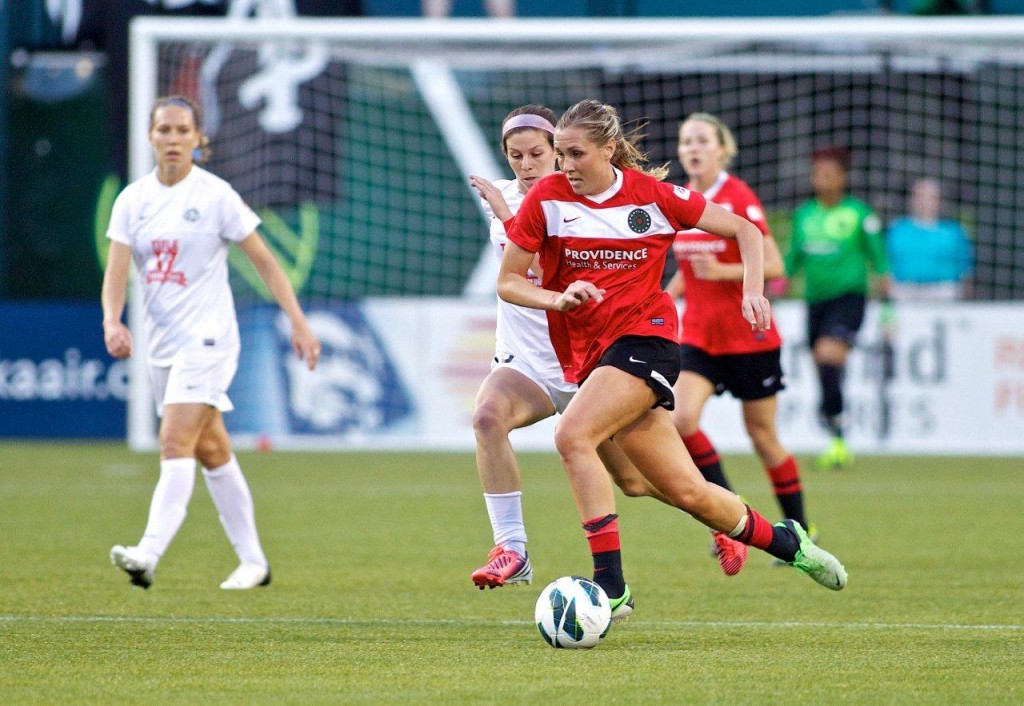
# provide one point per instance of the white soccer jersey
(521, 331)
(179, 236)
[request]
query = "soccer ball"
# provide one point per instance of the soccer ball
(573, 612)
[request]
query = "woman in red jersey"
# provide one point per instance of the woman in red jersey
(525, 384)
(720, 352)
(603, 228)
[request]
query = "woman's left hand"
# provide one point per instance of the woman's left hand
(705, 266)
(757, 311)
(306, 345)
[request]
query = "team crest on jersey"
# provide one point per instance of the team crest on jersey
(191, 215)
(165, 252)
(639, 220)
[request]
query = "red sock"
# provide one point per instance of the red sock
(785, 477)
(705, 456)
(786, 483)
(757, 532)
(701, 449)
(603, 534)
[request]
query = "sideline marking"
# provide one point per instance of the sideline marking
(472, 621)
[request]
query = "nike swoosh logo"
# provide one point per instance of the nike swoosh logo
(768, 381)
(570, 220)
(634, 360)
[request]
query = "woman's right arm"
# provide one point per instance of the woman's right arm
(116, 336)
(492, 195)
(515, 288)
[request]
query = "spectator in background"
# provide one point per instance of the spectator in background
(835, 238)
(931, 257)
(494, 8)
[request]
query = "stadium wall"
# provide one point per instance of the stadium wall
(56, 379)
(401, 374)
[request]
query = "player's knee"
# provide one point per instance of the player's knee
(489, 421)
(177, 444)
(686, 424)
(571, 442)
(762, 436)
(212, 453)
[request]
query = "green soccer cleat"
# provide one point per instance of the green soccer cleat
(836, 457)
(622, 607)
(814, 561)
(812, 533)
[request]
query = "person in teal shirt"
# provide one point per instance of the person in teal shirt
(931, 257)
(836, 239)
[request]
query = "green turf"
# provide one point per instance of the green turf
(372, 603)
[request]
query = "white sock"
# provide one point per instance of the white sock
(234, 504)
(506, 513)
(169, 505)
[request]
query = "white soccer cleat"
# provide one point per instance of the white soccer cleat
(139, 565)
(247, 576)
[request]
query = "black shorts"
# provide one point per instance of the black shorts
(836, 318)
(654, 360)
(747, 376)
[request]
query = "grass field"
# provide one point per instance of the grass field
(371, 601)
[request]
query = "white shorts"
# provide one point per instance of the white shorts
(546, 378)
(195, 377)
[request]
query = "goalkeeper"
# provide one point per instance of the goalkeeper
(835, 238)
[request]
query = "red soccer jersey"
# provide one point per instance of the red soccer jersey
(618, 241)
(711, 318)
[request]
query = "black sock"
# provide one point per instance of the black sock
(831, 378)
(608, 573)
(784, 544)
(792, 505)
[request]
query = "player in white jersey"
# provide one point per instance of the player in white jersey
(177, 223)
(526, 383)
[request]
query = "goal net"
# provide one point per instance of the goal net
(354, 139)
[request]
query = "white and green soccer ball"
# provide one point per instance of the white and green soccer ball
(573, 612)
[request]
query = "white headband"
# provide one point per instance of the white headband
(527, 120)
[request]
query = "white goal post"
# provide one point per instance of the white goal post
(353, 137)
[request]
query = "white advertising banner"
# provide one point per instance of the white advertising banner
(957, 385)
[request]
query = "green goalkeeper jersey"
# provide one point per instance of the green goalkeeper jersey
(833, 247)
